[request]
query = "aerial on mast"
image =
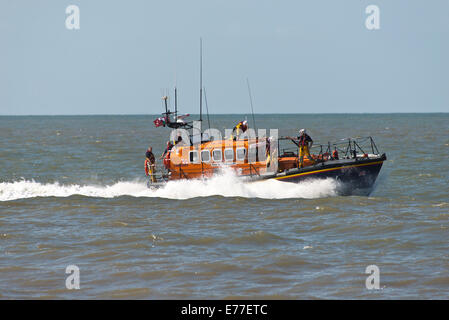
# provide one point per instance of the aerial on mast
(201, 79)
(176, 105)
(251, 102)
(207, 108)
(179, 120)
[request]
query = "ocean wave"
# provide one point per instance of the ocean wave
(226, 184)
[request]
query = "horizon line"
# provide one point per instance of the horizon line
(268, 113)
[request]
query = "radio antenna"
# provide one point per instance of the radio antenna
(176, 104)
(207, 107)
(201, 79)
(251, 102)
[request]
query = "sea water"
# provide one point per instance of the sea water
(73, 192)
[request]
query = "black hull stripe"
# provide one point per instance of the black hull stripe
(328, 169)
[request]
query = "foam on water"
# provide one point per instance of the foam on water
(226, 184)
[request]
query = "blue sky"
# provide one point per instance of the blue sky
(300, 56)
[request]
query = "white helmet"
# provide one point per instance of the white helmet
(302, 131)
(245, 123)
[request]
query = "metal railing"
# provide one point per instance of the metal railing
(346, 148)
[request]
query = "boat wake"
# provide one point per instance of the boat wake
(226, 184)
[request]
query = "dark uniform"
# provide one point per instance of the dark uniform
(150, 156)
(150, 163)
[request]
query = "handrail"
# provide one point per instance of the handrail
(348, 147)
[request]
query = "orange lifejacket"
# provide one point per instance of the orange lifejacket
(147, 171)
(167, 160)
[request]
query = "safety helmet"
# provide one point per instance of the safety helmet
(245, 122)
(302, 131)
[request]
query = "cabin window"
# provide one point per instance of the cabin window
(205, 156)
(216, 155)
(240, 154)
(193, 156)
(229, 155)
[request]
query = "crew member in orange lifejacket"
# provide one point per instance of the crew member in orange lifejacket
(150, 164)
(303, 141)
(166, 154)
(240, 128)
(167, 149)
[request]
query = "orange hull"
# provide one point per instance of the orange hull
(206, 159)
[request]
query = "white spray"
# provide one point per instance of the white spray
(226, 184)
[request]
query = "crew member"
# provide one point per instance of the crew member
(166, 154)
(167, 149)
(178, 140)
(303, 141)
(150, 164)
(240, 128)
(267, 152)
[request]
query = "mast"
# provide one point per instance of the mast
(176, 105)
(201, 97)
(207, 108)
(201, 79)
(251, 102)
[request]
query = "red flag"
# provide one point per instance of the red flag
(159, 122)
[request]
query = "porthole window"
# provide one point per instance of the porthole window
(193, 156)
(205, 156)
(229, 155)
(240, 154)
(217, 155)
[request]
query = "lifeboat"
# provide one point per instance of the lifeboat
(260, 158)
(355, 163)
